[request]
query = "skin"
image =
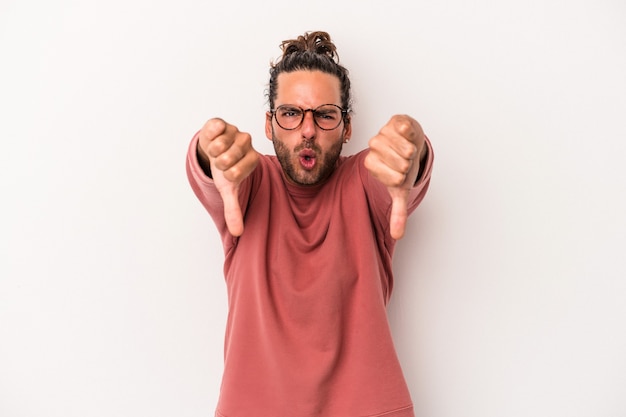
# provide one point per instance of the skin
(307, 89)
(394, 158)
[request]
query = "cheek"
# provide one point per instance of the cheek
(288, 140)
(331, 141)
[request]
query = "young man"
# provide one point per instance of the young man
(310, 275)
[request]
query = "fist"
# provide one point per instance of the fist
(228, 150)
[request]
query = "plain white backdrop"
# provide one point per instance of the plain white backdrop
(510, 295)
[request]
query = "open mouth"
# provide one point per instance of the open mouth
(307, 159)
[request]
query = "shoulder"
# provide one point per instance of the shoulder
(353, 168)
(353, 162)
(269, 167)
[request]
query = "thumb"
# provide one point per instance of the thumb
(232, 210)
(399, 214)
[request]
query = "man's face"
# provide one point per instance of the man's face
(307, 154)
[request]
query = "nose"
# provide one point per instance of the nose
(308, 125)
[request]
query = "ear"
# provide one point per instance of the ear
(347, 129)
(268, 125)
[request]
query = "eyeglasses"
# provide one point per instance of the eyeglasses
(326, 116)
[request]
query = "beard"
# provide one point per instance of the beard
(325, 162)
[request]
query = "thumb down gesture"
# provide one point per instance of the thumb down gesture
(232, 158)
(394, 160)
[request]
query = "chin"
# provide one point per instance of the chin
(305, 179)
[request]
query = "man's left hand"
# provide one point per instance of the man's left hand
(394, 159)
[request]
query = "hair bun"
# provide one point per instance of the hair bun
(317, 42)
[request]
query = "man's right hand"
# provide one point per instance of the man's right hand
(232, 158)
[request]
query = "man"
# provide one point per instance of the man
(308, 239)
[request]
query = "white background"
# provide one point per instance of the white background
(510, 296)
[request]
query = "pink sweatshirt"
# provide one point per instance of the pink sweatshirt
(308, 283)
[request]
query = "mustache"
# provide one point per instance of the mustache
(308, 144)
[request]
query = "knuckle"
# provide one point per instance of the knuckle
(404, 126)
(404, 166)
(219, 164)
(409, 150)
(233, 173)
(370, 161)
(245, 138)
(216, 148)
(254, 159)
(226, 160)
(214, 127)
(374, 141)
(217, 122)
(396, 179)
